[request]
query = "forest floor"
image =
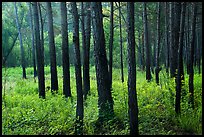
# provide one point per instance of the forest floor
(23, 113)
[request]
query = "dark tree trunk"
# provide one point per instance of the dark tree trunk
(53, 67)
(121, 45)
(146, 43)
(86, 75)
(157, 70)
(79, 108)
(40, 59)
(143, 53)
(86, 29)
(199, 48)
(167, 37)
(65, 51)
(188, 37)
(41, 29)
(174, 21)
(132, 95)
(180, 73)
(154, 54)
(32, 39)
(23, 64)
(105, 100)
(139, 50)
(191, 71)
(111, 44)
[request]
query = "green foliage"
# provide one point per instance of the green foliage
(23, 112)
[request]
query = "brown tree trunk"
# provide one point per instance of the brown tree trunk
(146, 43)
(180, 72)
(132, 95)
(65, 51)
(157, 70)
(105, 100)
(191, 71)
(40, 59)
(121, 45)
(80, 106)
(53, 66)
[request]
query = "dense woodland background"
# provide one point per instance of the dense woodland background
(102, 68)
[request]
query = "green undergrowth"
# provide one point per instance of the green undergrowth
(23, 112)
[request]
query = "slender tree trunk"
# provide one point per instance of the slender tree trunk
(199, 55)
(143, 53)
(132, 95)
(65, 51)
(86, 74)
(80, 106)
(111, 45)
(167, 37)
(188, 36)
(191, 71)
(174, 27)
(180, 72)
(53, 67)
(32, 39)
(23, 64)
(40, 59)
(157, 70)
(105, 100)
(139, 50)
(41, 29)
(146, 43)
(121, 45)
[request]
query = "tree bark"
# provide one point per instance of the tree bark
(65, 51)
(32, 39)
(23, 64)
(111, 44)
(121, 45)
(146, 43)
(40, 59)
(86, 74)
(53, 67)
(79, 108)
(105, 100)
(132, 95)
(167, 37)
(191, 71)
(41, 29)
(157, 70)
(180, 73)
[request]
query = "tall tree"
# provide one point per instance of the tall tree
(132, 95)
(65, 51)
(23, 64)
(105, 100)
(40, 59)
(158, 43)
(53, 67)
(175, 11)
(191, 71)
(121, 44)
(111, 44)
(167, 36)
(180, 73)
(79, 108)
(146, 43)
(32, 39)
(41, 28)
(86, 75)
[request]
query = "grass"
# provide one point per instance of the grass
(24, 113)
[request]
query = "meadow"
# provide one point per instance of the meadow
(24, 113)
